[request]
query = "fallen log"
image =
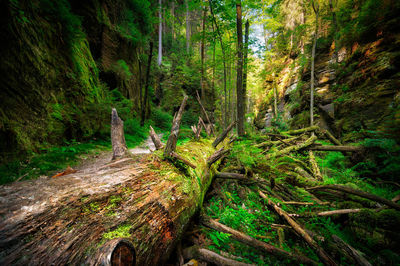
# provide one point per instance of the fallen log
(156, 140)
(326, 213)
(310, 241)
(70, 220)
(117, 136)
(216, 156)
(173, 137)
(301, 131)
(276, 142)
(210, 256)
(236, 176)
(180, 158)
(304, 203)
(331, 137)
(358, 193)
(297, 147)
(336, 148)
(350, 251)
(259, 245)
(223, 135)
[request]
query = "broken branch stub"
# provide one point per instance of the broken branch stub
(223, 135)
(117, 136)
(185, 161)
(216, 156)
(173, 137)
(156, 140)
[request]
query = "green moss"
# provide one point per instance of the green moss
(121, 231)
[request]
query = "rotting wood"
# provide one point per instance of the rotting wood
(225, 175)
(216, 156)
(304, 173)
(67, 220)
(117, 136)
(259, 245)
(358, 193)
(293, 148)
(320, 252)
(336, 148)
(180, 158)
(223, 135)
(314, 166)
(330, 136)
(210, 256)
(350, 251)
(156, 139)
(301, 131)
(173, 137)
(205, 113)
(116, 252)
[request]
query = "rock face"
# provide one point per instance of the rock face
(60, 59)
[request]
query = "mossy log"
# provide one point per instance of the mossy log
(293, 148)
(356, 255)
(336, 148)
(301, 131)
(235, 176)
(72, 219)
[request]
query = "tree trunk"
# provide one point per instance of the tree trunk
(117, 136)
(187, 27)
(156, 140)
(173, 137)
(173, 20)
(74, 219)
(245, 61)
(223, 60)
(146, 86)
(316, 11)
(239, 79)
(334, 27)
(202, 53)
(159, 60)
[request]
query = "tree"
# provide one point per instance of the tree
(159, 60)
(239, 82)
(246, 51)
(187, 27)
(315, 6)
(202, 82)
(146, 86)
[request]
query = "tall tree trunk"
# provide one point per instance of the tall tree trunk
(275, 100)
(159, 60)
(146, 87)
(246, 51)
(316, 11)
(334, 24)
(239, 82)
(187, 27)
(173, 20)
(223, 59)
(202, 48)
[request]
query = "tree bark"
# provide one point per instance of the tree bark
(259, 245)
(314, 166)
(320, 252)
(210, 256)
(302, 130)
(187, 27)
(159, 59)
(358, 193)
(297, 147)
(336, 148)
(239, 79)
(245, 61)
(146, 86)
(70, 220)
(223, 135)
(176, 123)
(350, 251)
(117, 136)
(202, 53)
(216, 156)
(156, 140)
(236, 176)
(316, 11)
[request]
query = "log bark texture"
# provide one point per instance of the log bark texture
(117, 136)
(216, 156)
(181, 158)
(70, 220)
(156, 139)
(173, 137)
(302, 130)
(231, 176)
(351, 252)
(293, 148)
(223, 135)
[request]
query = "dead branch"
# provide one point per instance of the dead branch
(216, 156)
(302, 130)
(358, 193)
(314, 166)
(350, 251)
(180, 158)
(223, 135)
(297, 147)
(236, 176)
(156, 140)
(205, 113)
(336, 148)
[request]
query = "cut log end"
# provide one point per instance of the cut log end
(116, 252)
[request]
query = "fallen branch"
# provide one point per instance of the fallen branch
(173, 137)
(320, 252)
(358, 193)
(326, 213)
(185, 161)
(248, 240)
(336, 148)
(216, 156)
(314, 166)
(210, 256)
(297, 147)
(205, 113)
(331, 137)
(156, 140)
(223, 135)
(352, 252)
(304, 203)
(302, 130)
